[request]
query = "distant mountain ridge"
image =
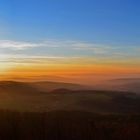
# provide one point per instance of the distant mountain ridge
(33, 87)
(50, 86)
(17, 87)
(122, 84)
(49, 96)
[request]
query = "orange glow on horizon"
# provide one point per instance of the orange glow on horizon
(71, 69)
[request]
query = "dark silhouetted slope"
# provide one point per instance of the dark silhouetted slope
(68, 125)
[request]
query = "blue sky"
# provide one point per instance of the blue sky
(109, 26)
(107, 21)
(59, 37)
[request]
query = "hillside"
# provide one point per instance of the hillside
(47, 86)
(17, 87)
(124, 84)
(28, 97)
(68, 125)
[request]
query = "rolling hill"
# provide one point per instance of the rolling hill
(52, 96)
(50, 86)
(17, 87)
(124, 84)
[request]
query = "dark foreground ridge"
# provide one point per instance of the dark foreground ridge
(68, 125)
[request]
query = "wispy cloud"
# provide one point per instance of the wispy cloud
(52, 43)
(25, 59)
(66, 60)
(96, 48)
(16, 45)
(66, 47)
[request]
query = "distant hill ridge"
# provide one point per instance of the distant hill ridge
(48, 96)
(122, 84)
(17, 87)
(42, 86)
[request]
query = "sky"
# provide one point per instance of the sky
(70, 38)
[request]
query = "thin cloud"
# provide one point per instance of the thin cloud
(50, 43)
(16, 45)
(25, 59)
(70, 47)
(51, 60)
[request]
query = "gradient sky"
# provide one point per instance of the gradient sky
(69, 37)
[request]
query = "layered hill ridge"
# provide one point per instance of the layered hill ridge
(50, 86)
(123, 84)
(33, 87)
(50, 96)
(17, 87)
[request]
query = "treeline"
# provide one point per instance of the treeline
(69, 125)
